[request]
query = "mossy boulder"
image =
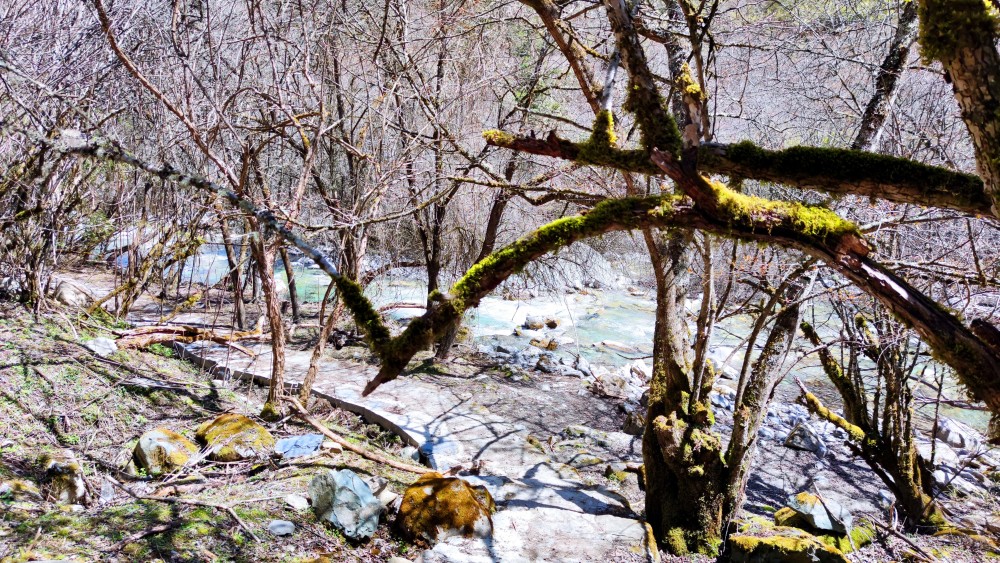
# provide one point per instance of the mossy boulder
(162, 451)
(234, 437)
(65, 477)
(436, 507)
(861, 533)
(794, 547)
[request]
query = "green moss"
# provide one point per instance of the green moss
(270, 412)
(234, 437)
(947, 26)
(365, 315)
(751, 211)
(789, 549)
(498, 138)
(839, 165)
(435, 504)
(676, 542)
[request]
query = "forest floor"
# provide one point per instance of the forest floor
(56, 395)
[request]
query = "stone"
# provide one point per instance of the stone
(65, 477)
(281, 527)
(411, 453)
(298, 446)
(297, 502)
(640, 370)
(635, 423)
(72, 294)
(793, 546)
(823, 515)
(859, 536)
(957, 435)
(619, 346)
(534, 322)
(346, 501)
(101, 346)
(20, 490)
(546, 364)
(332, 447)
(234, 437)
(436, 507)
(804, 437)
(162, 450)
(581, 364)
(545, 343)
(611, 385)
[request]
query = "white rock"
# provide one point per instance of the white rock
(281, 527)
(297, 502)
(101, 346)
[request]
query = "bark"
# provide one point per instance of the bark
(292, 291)
(264, 259)
(889, 72)
(962, 34)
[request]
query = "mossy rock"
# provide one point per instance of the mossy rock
(65, 477)
(162, 450)
(861, 534)
(791, 548)
(436, 507)
(20, 490)
(234, 437)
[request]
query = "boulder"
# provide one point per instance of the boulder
(546, 363)
(346, 501)
(957, 435)
(635, 423)
(804, 437)
(610, 385)
(298, 446)
(790, 547)
(72, 294)
(823, 515)
(65, 477)
(581, 364)
(162, 451)
(545, 343)
(234, 437)
(101, 346)
(860, 536)
(436, 507)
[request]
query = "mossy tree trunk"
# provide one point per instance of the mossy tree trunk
(264, 255)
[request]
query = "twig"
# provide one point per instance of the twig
(300, 411)
(143, 534)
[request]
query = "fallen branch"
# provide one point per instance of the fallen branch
(919, 551)
(144, 337)
(301, 412)
(143, 534)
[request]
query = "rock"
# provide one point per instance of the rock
(619, 346)
(567, 371)
(957, 435)
(297, 502)
(72, 294)
(234, 437)
(162, 451)
(534, 322)
(804, 437)
(101, 346)
(20, 490)
(398, 560)
(551, 322)
(635, 423)
(331, 446)
(65, 477)
(298, 446)
(859, 536)
(823, 515)
(611, 385)
(502, 349)
(581, 364)
(640, 370)
(281, 527)
(346, 501)
(794, 546)
(546, 363)
(436, 507)
(545, 343)
(410, 452)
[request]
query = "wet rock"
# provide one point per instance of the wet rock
(101, 346)
(234, 437)
(281, 527)
(437, 507)
(346, 501)
(162, 450)
(298, 446)
(534, 322)
(805, 437)
(65, 477)
(823, 515)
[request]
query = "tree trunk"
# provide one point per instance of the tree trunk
(292, 292)
(264, 259)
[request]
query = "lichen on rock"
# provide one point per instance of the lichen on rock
(234, 437)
